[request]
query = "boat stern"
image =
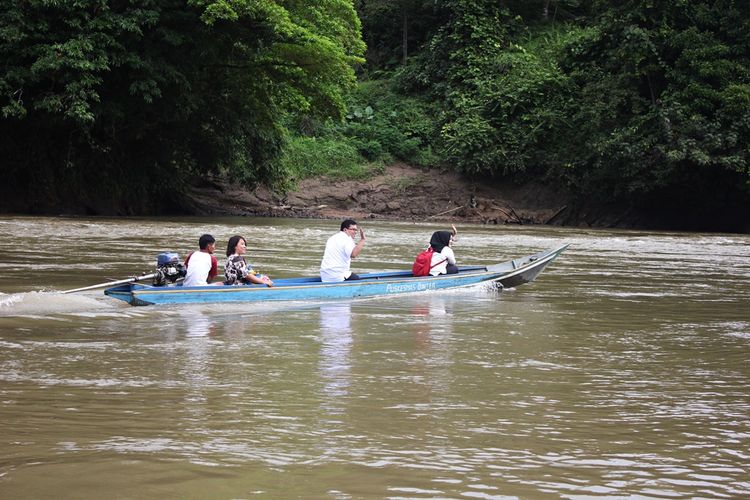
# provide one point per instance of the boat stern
(125, 293)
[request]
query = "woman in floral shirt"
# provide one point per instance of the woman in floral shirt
(236, 270)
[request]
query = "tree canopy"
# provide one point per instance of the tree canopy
(129, 97)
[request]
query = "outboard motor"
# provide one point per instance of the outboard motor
(168, 269)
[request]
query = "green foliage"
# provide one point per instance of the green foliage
(548, 11)
(395, 29)
(381, 126)
(384, 125)
(511, 117)
(634, 101)
(505, 98)
(126, 94)
(663, 94)
(305, 157)
(504, 101)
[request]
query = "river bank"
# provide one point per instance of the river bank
(404, 192)
(400, 192)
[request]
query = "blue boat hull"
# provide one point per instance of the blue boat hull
(508, 274)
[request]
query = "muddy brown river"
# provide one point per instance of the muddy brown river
(622, 372)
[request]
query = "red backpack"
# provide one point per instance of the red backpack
(422, 264)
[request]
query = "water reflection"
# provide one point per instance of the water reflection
(432, 328)
(335, 352)
(196, 364)
(198, 324)
(432, 320)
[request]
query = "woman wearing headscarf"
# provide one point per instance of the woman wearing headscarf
(443, 258)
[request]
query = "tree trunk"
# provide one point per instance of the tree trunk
(404, 42)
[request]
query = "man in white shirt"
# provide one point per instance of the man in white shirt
(202, 266)
(340, 250)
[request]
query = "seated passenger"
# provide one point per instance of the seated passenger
(339, 252)
(202, 266)
(236, 270)
(443, 258)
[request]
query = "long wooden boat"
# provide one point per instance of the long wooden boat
(508, 274)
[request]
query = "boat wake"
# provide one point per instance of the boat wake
(37, 304)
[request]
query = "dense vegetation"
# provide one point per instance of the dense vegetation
(634, 103)
(112, 104)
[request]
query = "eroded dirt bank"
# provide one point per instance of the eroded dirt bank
(401, 192)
